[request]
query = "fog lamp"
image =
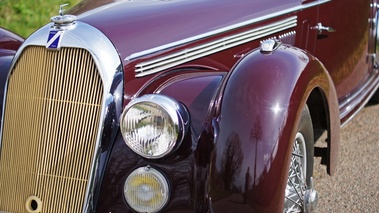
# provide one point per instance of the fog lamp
(154, 125)
(146, 190)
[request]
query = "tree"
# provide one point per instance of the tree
(231, 160)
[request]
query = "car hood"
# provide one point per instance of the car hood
(138, 25)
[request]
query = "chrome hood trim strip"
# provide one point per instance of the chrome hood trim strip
(225, 29)
(108, 62)
(159, 64)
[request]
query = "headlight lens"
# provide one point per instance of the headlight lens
(146, 190)
(154, 125)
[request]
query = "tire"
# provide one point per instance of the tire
(375, 98)
(301, 165)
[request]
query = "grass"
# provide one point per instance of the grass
(25, 16)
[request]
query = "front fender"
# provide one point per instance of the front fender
(9, 40)
(257, 118)
(5, 62)
(9, 43)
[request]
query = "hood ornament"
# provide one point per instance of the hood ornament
(63, 20)
(61, 24)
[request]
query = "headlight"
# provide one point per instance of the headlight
(146, 190)
(154, 125)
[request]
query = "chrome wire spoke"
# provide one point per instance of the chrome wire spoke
(295, 189)
(295, 202)
(299, 178)
(298, 155)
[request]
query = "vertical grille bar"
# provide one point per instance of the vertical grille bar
(51, 119)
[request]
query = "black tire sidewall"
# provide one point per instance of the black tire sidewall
(306, 129)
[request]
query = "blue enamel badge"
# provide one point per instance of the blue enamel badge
(54, 39)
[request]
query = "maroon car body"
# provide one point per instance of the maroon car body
(245, 102)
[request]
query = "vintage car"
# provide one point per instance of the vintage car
(181, 105)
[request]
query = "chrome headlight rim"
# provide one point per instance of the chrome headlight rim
(176, 111)
(162, 181)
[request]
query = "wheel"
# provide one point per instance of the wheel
(299, 194)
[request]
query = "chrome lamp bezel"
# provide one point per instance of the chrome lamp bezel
(176, 111)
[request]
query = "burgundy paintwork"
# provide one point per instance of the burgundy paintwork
(9, 40)
(9, 43)
(267, 111)
(252, 101)
(131, 35)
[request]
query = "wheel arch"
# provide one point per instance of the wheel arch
(322, 120)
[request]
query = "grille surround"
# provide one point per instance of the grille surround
(108, 63)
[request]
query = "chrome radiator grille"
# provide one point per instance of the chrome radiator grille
(51, 122)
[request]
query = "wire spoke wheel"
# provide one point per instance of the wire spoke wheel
(296, 184)
(296, 198)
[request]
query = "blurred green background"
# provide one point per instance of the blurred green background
(25, 16)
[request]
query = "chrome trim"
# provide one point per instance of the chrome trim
(358, 99)
(310, 198)
(270, 45)
(61, 10)
(108, 63)
(224, 29)
(288, 38)
(63, 21)
(177, 112)
(159, 64)
(130, 190)
(320, 28)
(296, 182)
